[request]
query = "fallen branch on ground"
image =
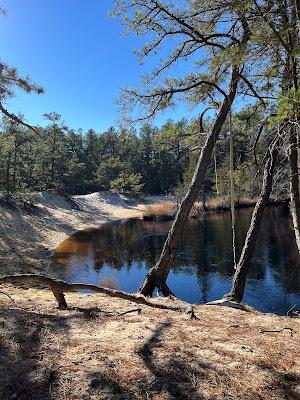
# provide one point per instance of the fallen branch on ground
(138, 310)
(280, 330)
(59, 287)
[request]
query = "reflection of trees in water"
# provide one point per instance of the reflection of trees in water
(278, 249)
(206, 248)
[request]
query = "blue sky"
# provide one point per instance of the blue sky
(77, 52)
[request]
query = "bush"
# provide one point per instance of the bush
(127, 183)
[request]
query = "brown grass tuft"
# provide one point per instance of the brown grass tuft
(160, 211)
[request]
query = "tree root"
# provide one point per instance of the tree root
(59, 287)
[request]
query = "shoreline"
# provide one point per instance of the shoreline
(27, 236)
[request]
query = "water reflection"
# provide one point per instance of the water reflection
(124, 251)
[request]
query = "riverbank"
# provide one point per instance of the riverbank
(167, 210)
(27, 236)
(92, 351)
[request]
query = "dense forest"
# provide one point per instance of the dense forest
(149, 160)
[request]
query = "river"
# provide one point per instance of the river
(119, 255)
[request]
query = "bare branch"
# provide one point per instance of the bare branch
(16, 119)
(252, 89)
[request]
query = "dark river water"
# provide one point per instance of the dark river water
(120, 254)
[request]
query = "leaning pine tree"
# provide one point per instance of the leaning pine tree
(240, 276)
(276, 40)
(214, 51)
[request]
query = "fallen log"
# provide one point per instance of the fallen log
(60, 287)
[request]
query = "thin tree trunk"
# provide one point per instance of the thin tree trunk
(240, 276)
(157, 275)
(7, 173)
(293, 151)
(297, 4)
(294, 185)
(15, 167)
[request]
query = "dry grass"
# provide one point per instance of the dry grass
(160, 211)
(168, 210)
(220, 204)
(87, 353)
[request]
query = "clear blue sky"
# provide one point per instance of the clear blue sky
(77, 52)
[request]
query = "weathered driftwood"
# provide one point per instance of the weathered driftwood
(59, 287)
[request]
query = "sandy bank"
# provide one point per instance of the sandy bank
(27, 236)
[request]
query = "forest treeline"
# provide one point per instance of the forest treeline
(148, 160)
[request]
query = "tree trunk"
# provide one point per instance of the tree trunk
(157, 275)
(7, 174)
(293, 151)
(15, 167)
(240, 276)
(294, 184)
(297, 4)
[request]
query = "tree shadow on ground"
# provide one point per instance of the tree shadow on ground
(33, 364)
(171, 378)
(172, 375)
(180, 374)
(29, 365)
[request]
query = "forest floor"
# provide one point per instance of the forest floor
(90, 351)
(28, 236)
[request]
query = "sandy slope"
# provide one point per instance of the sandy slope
(26, 237)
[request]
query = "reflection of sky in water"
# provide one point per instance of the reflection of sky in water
(123, 253)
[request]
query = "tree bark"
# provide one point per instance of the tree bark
(294, 184)
(59, 287)
(157, 275)
(293, 140)
(240, 275)
(297, 4)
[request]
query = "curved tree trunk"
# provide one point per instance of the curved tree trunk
(157, 275)
(294, 185)
(240, 276)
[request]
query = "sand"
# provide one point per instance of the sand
(92, 352)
